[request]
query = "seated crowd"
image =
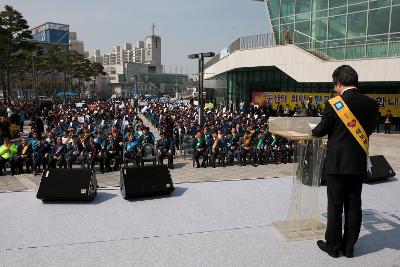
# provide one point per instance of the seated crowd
(111, 135)
(102, 134)
(224, 136)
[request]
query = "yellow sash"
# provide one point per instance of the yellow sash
(351, 122)
(25, 149)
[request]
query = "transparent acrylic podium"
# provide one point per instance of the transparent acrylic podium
(303, 218)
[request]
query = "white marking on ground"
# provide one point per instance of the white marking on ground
(24, 179)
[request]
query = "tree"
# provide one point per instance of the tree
(52, 63)
(95, 70)
(21, 66)
(14, 31)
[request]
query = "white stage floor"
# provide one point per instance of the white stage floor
(201, 224)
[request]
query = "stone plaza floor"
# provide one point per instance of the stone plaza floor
(226, 223)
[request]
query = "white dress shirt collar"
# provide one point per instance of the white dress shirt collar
(348, 88)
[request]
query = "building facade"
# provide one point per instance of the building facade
(127, 53)
(343, 29)
(310, 39)
(75, 44)
(138, 70)
(96, 56)
(53, 33)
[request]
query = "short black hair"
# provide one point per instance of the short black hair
(345, 75)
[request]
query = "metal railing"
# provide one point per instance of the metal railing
(246, 43)
(310, 44)
(351, 48)
(257, 41)
(212, 61)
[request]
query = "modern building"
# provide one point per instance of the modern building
(138, 69)
(127, 53)
(96, 56)
(75, 44)
(53, 33)
(309, 39)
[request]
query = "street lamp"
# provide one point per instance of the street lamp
(201, 57)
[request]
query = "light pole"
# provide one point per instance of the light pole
(201, 57)
(34, 80)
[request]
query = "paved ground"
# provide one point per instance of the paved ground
(202, 224)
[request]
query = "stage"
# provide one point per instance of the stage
(226, 223)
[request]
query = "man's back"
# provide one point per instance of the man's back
(344, 153)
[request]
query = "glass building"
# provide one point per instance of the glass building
(342, 29)
(333, 30)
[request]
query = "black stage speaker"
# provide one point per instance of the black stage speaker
(67, 184)
(380, 169)
(145, 181)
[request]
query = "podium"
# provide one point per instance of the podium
(303, 219)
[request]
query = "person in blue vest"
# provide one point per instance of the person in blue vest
(131, 150)
(147, 137)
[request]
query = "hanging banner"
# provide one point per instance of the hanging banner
(385, 101)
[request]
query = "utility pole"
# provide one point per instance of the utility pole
(201, 57)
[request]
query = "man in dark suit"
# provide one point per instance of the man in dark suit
(346, 163)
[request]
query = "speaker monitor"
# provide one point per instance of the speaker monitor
(145, 181)
(380, 169)
(67, 184)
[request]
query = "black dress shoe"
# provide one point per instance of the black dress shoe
(324, 247)
(347, 254)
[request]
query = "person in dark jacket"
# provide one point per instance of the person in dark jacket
(164, 147)
(346, 163)
(388, 121)
(40, 154)
(24, 156)
(57, 157)
(75, 152)
(200, 149)
(112, 150)
(94, 153)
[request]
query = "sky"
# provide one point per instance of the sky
(185, 27)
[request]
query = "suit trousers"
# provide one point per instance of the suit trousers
(344, 193)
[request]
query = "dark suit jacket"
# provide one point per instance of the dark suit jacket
(344, 154)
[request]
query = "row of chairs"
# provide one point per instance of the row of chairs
(150, 154)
